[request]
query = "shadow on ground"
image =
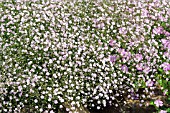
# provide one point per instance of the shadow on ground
(134, 109)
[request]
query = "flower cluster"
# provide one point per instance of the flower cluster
(84, 53)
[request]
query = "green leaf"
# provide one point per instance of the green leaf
(168, 101)
(160, 82)
(168, 110)
(160, 70)
(151, 103)
(164, 84)
(169, 83)
(163, 24)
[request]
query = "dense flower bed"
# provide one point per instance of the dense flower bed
(86, 53)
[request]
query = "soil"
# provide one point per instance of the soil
(134, 109)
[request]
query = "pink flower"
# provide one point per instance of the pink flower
(100, 26)
(167, 33)
(122, 30)
(123, 53)
(163, 18)
(158, 103)
(166, 43)
(112, 42)
(144, 12)
(167, 55)
(146, 69)
(113, 58)
(149, 83)
(99, 42)
(163, 111)
(139, 67)
(138, 57)
(95, 21)
(124, 68)
(166, 66)
(158, 30)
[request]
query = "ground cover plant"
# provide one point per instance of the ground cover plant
(84, 54)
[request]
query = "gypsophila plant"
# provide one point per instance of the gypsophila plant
(86, 53)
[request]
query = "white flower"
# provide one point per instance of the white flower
(42, 97)
(35, 100)
(98, 107)
(41, 110)
(49, 106)
(55, 102)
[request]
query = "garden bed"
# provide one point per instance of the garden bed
(85, 56)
